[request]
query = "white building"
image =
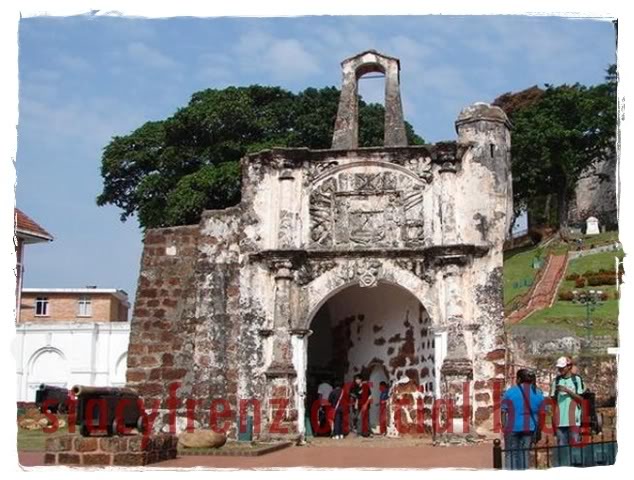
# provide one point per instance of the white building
(67, 354)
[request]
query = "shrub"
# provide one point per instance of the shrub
(572, 276)
(609, 280)
(580, 282)
(604, 296)
(566, 296)
(602, 279)
(595, 281)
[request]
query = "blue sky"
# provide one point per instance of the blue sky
(84, 79)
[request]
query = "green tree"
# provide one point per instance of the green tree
(558, 137)
(167, 172)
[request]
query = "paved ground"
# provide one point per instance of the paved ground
(339, 454)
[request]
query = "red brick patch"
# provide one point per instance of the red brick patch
(150, 389)
(498, 354)
(149, 361)
(174, 373)
(169, 303)
(482, 397)
(136, 348)
(167, 360)
(141, 312)
(136, 375)
(483, 413)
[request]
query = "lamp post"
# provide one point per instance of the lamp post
(591, 299)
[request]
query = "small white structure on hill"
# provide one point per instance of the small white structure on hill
(592, 226)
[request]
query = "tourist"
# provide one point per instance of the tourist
(323, 393)
(335, 412)
(355, 396)
(384, 396)
(361, 398)
(566, 391)
(521, 407)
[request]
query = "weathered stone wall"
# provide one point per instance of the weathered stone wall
(164, 292)
(225, 307)
(595, 196)
(186, 324)
(539, 350)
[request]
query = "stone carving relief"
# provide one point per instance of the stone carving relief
(313, 269)
(366, 271)
(421, 166)
(380, 208)
(417, 267)
(285, 231)
(315, 169)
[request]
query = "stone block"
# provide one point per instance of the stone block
(68, 459)
(130, 459)
(85, 444)
(96, 459)
(113, 444)
(60, 444)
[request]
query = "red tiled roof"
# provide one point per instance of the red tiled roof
(26, 225)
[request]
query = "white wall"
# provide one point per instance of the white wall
(68, 354)
(382, 321)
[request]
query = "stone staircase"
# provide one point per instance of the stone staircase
(544, 291)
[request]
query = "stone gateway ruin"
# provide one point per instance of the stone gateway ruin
(385, 261)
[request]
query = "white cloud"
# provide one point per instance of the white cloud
(90, 121)
(288, 58)
(73, 63)
(259, 51)
(150, 57)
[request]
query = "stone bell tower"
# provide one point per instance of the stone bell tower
(346, 135)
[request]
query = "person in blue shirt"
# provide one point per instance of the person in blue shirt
(521, 406)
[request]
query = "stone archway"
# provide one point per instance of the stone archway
(358, 329)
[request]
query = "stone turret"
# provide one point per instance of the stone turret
(488, 130)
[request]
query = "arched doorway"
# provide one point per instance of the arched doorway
(383, 332)
(49, 366)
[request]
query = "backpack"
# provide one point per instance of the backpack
(592, 420)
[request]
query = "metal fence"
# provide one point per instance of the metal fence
(542, 456)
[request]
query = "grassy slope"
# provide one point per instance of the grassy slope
(518, 273)
(573, 316)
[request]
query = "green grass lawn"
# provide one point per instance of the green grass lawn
(572, 316)
(605, 238)
(35, 440)
(594, 262)
(519, 273)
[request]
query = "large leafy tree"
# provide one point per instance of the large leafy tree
(167, 172)
(559, 136)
